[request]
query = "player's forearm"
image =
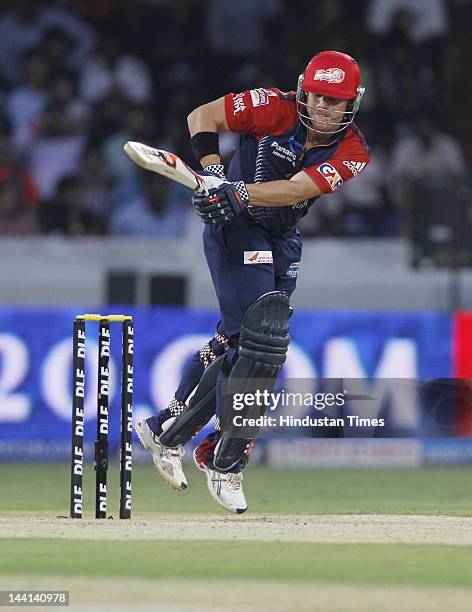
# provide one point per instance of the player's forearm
(201, 120)
(279, 193)
(208, 119)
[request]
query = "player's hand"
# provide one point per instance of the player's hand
(221, 204)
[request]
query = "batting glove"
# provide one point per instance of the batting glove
(214, 170)
(221, 204)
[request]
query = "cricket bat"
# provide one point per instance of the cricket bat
(171, 166)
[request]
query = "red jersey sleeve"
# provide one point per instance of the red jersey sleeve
(351, 158)
(260, 111)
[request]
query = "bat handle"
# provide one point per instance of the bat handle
(202, 190)
(209, 182)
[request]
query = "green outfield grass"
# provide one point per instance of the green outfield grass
(274, 566)
(43, 488)
(338, 563)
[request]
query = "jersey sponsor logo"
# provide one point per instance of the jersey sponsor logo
(332, 75)
(283, 152)
(293, 269)
(258, 257)
(355, 167)
(331, 175)
(238, 103)
(261, 96)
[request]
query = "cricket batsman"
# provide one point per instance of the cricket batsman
(294, 147)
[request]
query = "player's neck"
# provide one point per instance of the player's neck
(314, 139)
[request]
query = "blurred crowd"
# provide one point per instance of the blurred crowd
(78, 79)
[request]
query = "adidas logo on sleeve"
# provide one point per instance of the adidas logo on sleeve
(355, 167)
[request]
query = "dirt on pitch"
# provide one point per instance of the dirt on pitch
(370, 529)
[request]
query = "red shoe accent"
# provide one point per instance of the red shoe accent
(203, 450)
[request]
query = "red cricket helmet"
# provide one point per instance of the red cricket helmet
(335, 75)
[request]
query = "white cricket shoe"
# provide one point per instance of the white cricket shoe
(225, 488)
(168, 461)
